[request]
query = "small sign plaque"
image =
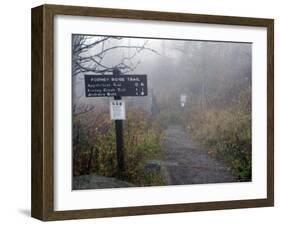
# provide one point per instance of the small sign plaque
(117, 110)
(115, 85)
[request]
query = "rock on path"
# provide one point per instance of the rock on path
(97, 182)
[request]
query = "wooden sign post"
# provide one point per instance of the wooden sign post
(119, 135)
(116, 85)
(119, 141)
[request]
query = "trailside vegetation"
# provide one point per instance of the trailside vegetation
(95, 147)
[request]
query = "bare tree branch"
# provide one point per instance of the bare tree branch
(88, 109)
(93, 62)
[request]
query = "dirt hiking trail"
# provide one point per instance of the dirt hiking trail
(187, 163)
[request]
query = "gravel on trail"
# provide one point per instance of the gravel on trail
(190, 164)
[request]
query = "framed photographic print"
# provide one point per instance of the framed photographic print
(141, 112)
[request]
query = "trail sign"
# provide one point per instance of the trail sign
(183, 99)
(115, 85)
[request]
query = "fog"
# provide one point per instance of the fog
(208, 73)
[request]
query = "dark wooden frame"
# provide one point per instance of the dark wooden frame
(42, 203)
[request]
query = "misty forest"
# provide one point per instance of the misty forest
(193, 127)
